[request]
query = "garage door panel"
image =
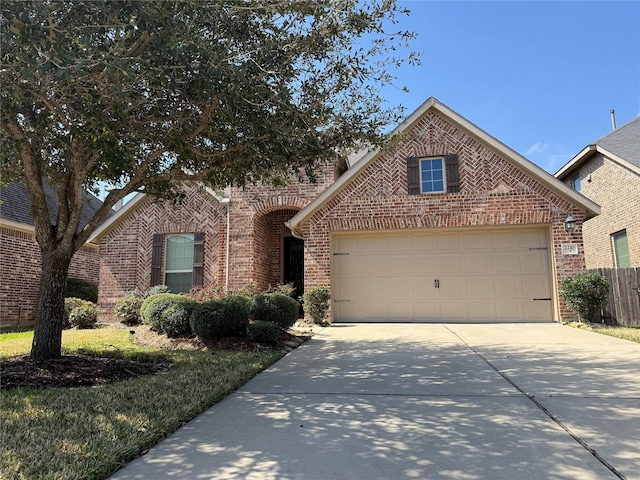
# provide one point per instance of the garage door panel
(478, 287)
(372, 243)
(463, 275)
(400, 311)
(503, 240)
(422, 264)
(398, 265)
(506, 287)
(448, 241)
(421, 243)
(477, 263)
(531, 238)
(534, 262)
(450, 264)
(505, 263)
(397, 243)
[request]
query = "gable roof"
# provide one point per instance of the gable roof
(577, 199)
(15, 206)
(129, 207)
(622, 146)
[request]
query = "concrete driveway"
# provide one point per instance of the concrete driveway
(414, 401)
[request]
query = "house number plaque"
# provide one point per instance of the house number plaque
(569, 249)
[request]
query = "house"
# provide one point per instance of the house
(608, 172)
(447, 224)
(20, 259)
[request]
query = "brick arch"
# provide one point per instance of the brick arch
(279, 202)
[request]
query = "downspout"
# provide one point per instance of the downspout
(294, 232)
(226, 270)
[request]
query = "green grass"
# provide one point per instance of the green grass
(626, 333)
(89, 432)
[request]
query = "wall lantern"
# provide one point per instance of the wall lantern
(570, 224)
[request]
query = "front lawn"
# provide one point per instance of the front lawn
(627, 333)
(89, 432)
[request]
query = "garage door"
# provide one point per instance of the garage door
(446, 276)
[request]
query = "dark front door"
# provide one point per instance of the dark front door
(293, 270)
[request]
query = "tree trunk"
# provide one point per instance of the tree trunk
(47, 335)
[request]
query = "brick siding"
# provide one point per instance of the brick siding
(494, 192)
(20, 262)
(617, 191)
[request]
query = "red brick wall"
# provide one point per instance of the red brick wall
(20, 273)
(125, 261)
(617, 191)
(493, 192)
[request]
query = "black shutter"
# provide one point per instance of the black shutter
(413, 176)
(453, 173)
(198, 260)
(156, 260)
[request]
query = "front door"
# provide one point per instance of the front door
(293, 268)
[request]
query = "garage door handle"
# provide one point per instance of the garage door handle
(436, 283)
(542, 299)
(341, 301)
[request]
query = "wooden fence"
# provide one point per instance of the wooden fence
(623, 306)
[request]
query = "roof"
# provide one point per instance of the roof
(129, 207)
(15, 205)
(577, 199)
(622, 145)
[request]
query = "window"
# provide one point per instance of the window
(621, 249)
(575, 182)
(432, 175)
(178, 270)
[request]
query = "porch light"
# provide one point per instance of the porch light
(570, 224)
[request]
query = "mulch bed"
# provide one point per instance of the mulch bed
(71, 371)
(84, 370)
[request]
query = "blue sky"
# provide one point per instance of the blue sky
(540, 76)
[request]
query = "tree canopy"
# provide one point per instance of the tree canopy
(139, 96)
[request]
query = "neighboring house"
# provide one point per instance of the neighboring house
(20, 260)
(448, 225)
(608, 172)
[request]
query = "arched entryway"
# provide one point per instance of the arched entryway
(279, 256)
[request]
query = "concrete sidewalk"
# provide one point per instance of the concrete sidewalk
(417, 401)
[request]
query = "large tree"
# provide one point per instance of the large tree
(140, 96)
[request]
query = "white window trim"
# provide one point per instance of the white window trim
(444, 175)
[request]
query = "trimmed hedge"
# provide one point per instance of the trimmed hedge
(266, 332)
(152, 308)
(174, 321)
(127, 309)
(84, 315)
(316, 304)
(70, 304)
(79, 288)
(276, 308)
(585, 294)
(220, 318)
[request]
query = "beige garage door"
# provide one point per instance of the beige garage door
(446, 276)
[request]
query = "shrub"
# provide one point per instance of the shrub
(585, 294)
(174, 321)
(316, 304)
(276, 308)
(210, 292)
(127, 309)
(219, 318)
(284, 288)
(84, 315)
(69, 305)
(79, 288)
(157, 289)
(153, 306)
(266, 332)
